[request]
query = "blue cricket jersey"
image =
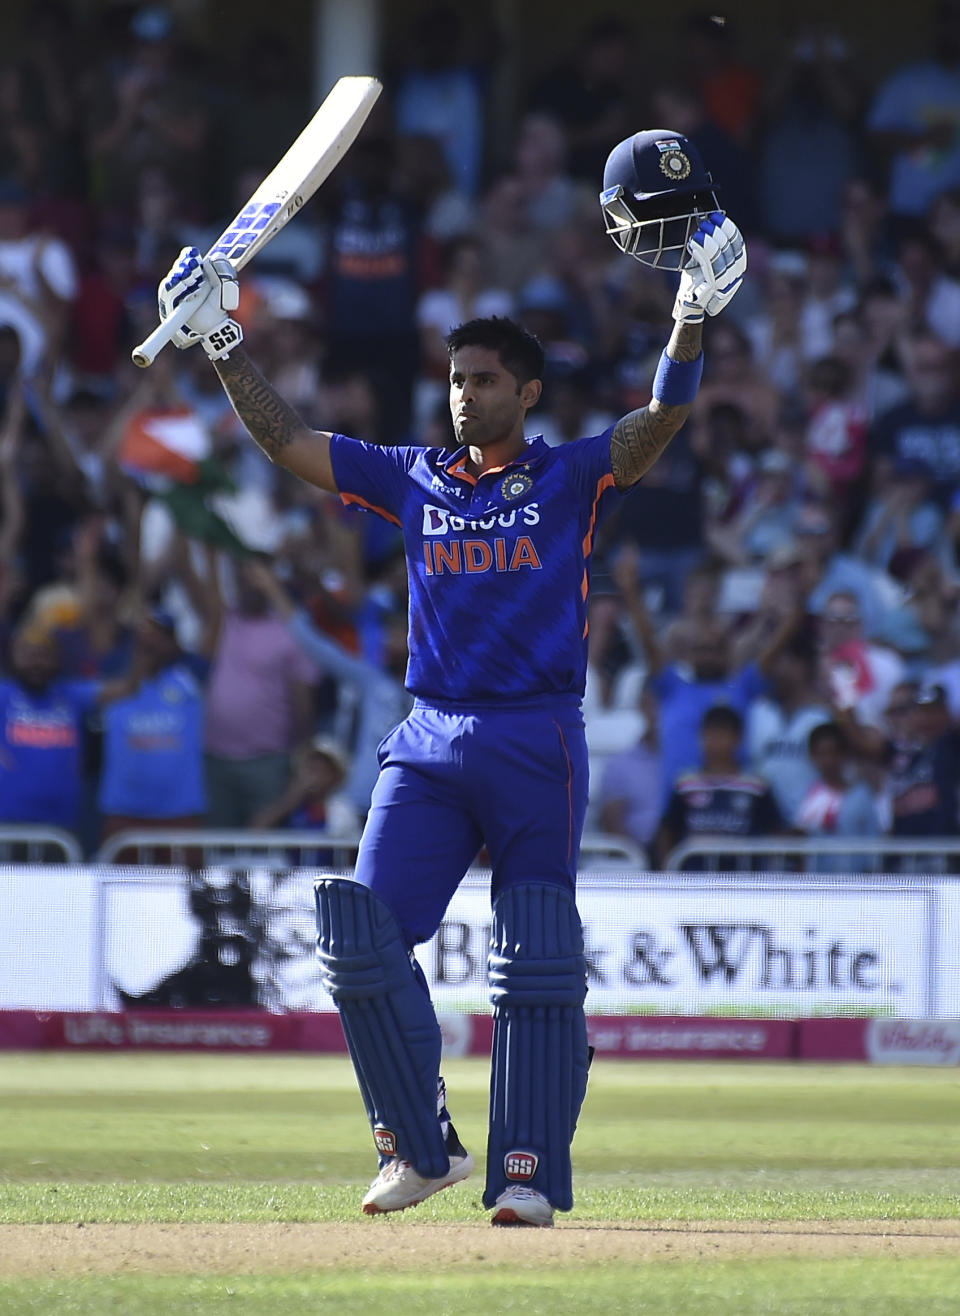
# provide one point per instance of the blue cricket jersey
(498, 565)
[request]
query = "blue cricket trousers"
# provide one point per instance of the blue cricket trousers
(512, 778)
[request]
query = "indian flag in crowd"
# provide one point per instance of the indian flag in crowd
(168, 451)
(164, 446)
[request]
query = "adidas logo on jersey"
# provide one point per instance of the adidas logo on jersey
(440, 521)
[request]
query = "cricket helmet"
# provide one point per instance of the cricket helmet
(656, 190)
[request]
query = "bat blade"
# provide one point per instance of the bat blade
(285, 190)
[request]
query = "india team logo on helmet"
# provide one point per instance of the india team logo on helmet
(656, 190)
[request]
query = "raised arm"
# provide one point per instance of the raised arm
(211, 287)
(715, 261)
(273, 424)
(639, 437)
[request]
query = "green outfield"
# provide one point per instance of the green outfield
(140, 1183)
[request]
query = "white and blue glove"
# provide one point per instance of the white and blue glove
(211, 290)
(718, 262)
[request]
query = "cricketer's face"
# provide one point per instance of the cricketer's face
(487, 402)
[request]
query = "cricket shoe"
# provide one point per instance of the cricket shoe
(523, 1206)
(398, 1185)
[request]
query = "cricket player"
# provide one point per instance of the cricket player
(498, 537)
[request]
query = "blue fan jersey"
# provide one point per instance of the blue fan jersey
(499, 565)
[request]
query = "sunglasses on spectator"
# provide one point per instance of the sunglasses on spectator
(846, 617)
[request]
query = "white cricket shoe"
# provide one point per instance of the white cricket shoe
(523, 1206)
(398, 1185)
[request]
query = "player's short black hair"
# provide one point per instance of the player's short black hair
(519, 351)
(723, 718)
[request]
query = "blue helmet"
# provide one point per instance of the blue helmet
(656, 190)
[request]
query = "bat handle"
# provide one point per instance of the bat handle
(146, 352)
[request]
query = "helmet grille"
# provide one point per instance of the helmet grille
(656, 232)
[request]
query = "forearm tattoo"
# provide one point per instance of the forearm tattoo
(639, 438)
(271, 422)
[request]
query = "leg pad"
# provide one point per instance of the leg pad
(537, 973)
(388, 1020)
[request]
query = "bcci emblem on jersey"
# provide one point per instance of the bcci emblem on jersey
(515, 485)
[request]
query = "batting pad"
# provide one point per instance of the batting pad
(538, 983)
(388, 1020)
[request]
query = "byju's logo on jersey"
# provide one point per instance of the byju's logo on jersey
(515, 485)
(440, 521)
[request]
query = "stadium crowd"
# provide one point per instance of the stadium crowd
(189, 637)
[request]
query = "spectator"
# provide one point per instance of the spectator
(944, 226)
(259, 707)
(721, 800)
(931, 298)
(836, 438)
(423, 178)
(858, 674)
(779, 725)
(631, 790)
(829, 292)
(826, 569)
(734, 378)
(901, 515)
(38, 280)
(153, 732)
(914, 118)
(923, 769)
(730, 87)
(767, 517)
(372, 281)
(589, 94)
(927, 425)
(809, 148)
(835, 804)
(612, 717)
(877, 384)
(439, 93)
(540, 166)
(567, 410)
(42, 716)
(679, 104)
(687, 690)
(312, 800)
(376, 696)
(465, 294)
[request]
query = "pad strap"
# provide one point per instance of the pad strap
(538, 977)
(389, 1023)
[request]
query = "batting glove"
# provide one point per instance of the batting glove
(211, 290)
(718, 261)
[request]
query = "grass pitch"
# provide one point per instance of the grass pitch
(143, 1183)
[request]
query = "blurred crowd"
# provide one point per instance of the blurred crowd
(188, 636)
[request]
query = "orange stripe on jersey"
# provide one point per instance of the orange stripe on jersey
(460, 473)
(603, 484)
(371, 507)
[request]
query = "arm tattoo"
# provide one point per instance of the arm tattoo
(640, 437)
(271, 422)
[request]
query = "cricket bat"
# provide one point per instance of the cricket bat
(289, 185)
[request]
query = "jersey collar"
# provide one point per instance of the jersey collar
(455, 463)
